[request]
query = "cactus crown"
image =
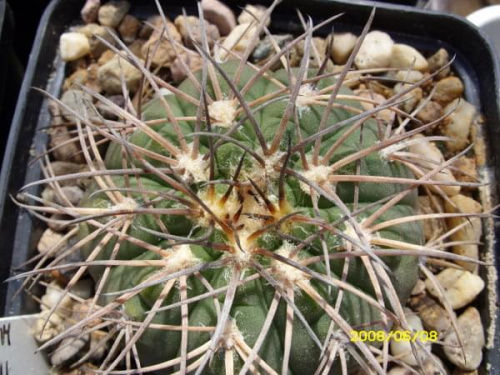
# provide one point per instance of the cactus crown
(247, 220)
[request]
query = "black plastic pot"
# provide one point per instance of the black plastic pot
(10, 72)
(5, 30)
(426, 31)
(5, 35)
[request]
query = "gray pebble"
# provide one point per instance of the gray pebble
(193, 62)
(411, 99)
(129, 27)
(62, 168)
(265, 48)
(98, 351)
(107, 112)
(63, 148)
(57, 225)
(83, 288)
(73, 257)
(72, 193)
(80, 102)
(437, 61)
(190, 29)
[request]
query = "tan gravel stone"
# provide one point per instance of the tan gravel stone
(472, 335)
(471, 228)
(460, 287)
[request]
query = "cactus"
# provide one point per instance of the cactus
(247, 220)
(241, 227)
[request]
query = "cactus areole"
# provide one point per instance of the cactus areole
(247, 237)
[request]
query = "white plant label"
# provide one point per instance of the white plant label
(18, 347)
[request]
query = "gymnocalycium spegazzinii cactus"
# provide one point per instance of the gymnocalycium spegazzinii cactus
(248, 220)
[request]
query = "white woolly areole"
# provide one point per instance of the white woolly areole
(179, 258)
(230, 335)
(305, 97)
(242, 257)
(272, 166)
(127, 204)
(195, 169)
(164, 91)
(285, 272)
(271, 162)
(317, 174)
(223, 112)
(351, 232)
(387, 152)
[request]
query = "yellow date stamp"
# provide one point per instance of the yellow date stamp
(398, 336)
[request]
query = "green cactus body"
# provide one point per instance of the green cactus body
(253, 299)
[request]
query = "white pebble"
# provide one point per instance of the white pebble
(385, 115)
(400, 371)
(375, 52)
(237, 41)
(52, 296)
(68, 349)
(253, 14)
(432, 366)
(470, 228)
(457, 125)
(343, 45)
(403, 348)
(431, 157)
(48, 240)
(46, 328)
(419, 288)
(408, 76)
(73, 46)
(404, 56)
